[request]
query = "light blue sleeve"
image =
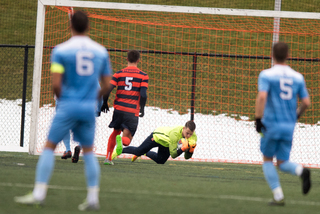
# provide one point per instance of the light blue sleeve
(263, 83)
(303, 92)
(107, 70)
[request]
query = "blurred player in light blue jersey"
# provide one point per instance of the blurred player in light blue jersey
(66, 139)
(76, 67)
(276, 115)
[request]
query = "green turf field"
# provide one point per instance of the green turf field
(145, 187)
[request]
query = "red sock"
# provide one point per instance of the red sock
(112, 143)
(126, 141)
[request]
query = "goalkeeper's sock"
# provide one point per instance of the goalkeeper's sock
(112, 143)
(125, 141)
(92, 169)
(66, 141)
(291, 167)
(271, 176)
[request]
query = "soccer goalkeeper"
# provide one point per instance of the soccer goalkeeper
(167, 140)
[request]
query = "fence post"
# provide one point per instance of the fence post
(24, 92)
(194, 75)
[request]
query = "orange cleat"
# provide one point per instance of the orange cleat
(134, 158)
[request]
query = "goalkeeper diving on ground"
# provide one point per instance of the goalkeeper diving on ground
(171, 141)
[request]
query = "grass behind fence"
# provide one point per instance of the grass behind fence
(223, 85)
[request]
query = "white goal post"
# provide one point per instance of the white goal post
(40, 30)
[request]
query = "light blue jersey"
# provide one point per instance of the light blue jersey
(82, 62)
(283, 85)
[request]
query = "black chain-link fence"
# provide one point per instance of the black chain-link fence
(15, 93)
(18, 24)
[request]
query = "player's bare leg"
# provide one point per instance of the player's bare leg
(126, 137)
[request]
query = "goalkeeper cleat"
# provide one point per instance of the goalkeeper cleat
(276, 203)
(85, 206)
(119, 145)
(306, 181)
(28, 200)
(108, 162)
(75, 157)
(134, 158)
(66, 155)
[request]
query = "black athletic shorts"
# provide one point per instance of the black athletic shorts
(124, 120)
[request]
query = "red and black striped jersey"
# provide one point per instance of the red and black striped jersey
(129, 81)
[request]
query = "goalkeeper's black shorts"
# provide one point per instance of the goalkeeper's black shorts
(124, 120)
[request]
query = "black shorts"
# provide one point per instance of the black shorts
(123, 120)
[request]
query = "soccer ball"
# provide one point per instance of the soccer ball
(180, 142)
(192, 143)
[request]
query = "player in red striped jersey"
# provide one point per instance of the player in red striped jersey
(131, 97)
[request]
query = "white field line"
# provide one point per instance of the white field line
(172, 194)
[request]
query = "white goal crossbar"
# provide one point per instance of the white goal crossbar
(182, 9)
(126, 6)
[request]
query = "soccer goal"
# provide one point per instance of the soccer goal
(203, 64)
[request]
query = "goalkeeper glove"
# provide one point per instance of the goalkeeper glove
(259, 125)
(191, 150)
(105, 107)
(185, 144)
(192, 145)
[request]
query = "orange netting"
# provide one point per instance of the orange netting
(221, 56)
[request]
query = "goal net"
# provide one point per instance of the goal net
(203, 64)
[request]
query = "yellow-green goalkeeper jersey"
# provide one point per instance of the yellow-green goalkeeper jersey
(169, 137)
